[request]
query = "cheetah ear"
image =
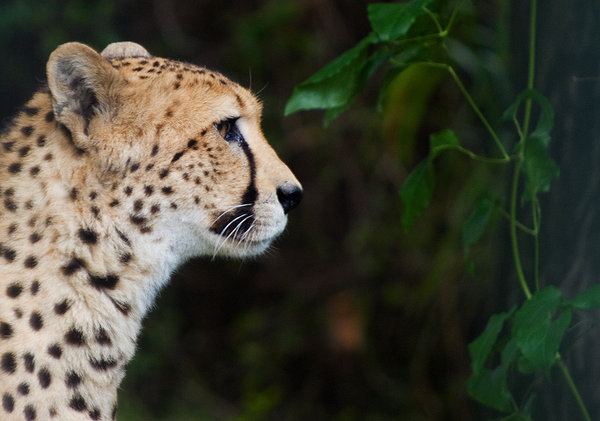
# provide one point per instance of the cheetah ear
(83, 85)
(124, 49)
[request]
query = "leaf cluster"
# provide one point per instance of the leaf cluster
(526, 339)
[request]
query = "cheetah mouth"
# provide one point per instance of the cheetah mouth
(240, 232)
(235, 224)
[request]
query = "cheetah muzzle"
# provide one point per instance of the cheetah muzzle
(125, 166)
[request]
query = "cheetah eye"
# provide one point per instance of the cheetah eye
(229, 130)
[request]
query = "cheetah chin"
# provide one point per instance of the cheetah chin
(125, 166)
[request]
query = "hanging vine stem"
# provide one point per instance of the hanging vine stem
(535, 204)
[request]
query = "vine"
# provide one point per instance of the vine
(527, 338)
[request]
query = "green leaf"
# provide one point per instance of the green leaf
(336, 84)
(490, 387)
(539, 327)
(441, 141)
(546, 120)
(480, 348)
(538, 166)
(416, 192)
(588, 299)
(393, 20)
(475, 226)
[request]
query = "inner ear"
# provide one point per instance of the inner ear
(82, 84)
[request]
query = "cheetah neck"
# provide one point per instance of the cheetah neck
(69, 316)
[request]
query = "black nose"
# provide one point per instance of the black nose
(289, 196)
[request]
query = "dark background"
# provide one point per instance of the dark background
(348, 317)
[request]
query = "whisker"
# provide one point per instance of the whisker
(221, 243)
(226, 211)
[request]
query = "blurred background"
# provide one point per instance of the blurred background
(348, 317)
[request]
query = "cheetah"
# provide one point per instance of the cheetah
(125, 166)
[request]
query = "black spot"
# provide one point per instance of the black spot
(75, 337)
(74, 193)
(30, 111)
(137, 219)
(128, 190)
(12, 228)
(44, 378)
(77, 403)
(29, 412)
(24, 151)
(163, 173)
(73, 266)
(125, 258)
(102, 337)
(155, 209)
(167, 190)
(176, 86)
(148, 190)
(8, 402)
(34, 170)
(14, 168)
(177, 156)
(88, 236)
(95, 210)
(55, 351)
(27, 130)
(8, 363)
(23, 389)
(49, 117)
(137, 69)
(72, 380)
(149, 167)
(124, 238)
(48, 157)
(41, 141)
(34, 238)
(35, 287)
(52, 411)
(135, 167)
(154, 150)
(62, 307)
(14, 290)
(173, 205)
(94, 414)
(30, 262)
(9, 254)
(109, 281)
(113, 203)
(35, 321)
(18, 313)
(203, 132)
(6, 330)
(192, 143)
(138, 205)
(29, 362)
(102, 364)
(93, 195)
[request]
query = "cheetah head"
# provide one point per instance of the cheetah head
(178, 147)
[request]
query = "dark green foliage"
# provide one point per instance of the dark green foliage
(532, 343)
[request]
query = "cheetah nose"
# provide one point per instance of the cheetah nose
(289, 196)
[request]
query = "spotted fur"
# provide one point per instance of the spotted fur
(119, 171)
